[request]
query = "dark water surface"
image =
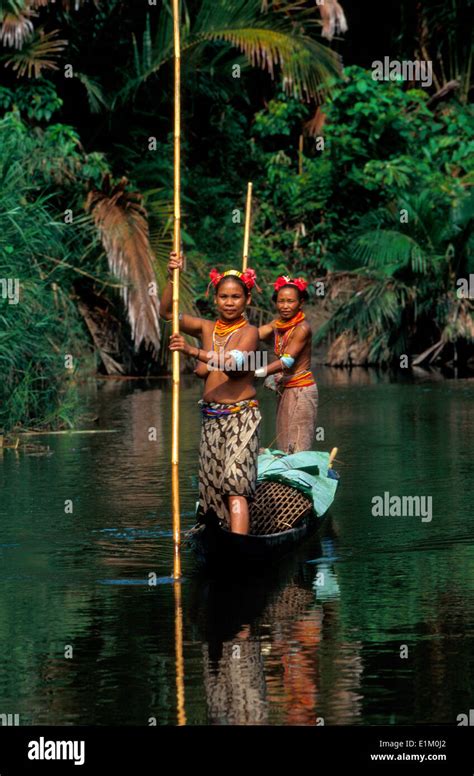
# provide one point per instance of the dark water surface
(377, 629)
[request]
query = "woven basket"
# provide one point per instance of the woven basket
(276, 508)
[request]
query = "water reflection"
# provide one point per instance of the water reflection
(265, 641)
(233, 615)
(318, 640)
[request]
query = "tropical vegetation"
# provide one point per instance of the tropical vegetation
(363, 185)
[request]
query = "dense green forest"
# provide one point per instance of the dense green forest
(363, 185)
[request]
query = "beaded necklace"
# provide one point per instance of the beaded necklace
(284, 330)
(222, 328)
(281, 341)
(223, 332)
(285, 325)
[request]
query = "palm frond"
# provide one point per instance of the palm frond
(147, 47)
(16, 27)
(95, 95)
(160, 219)
(12, 7)
(377, 299)
(38, 53)
(150, 58)
(390, 251)
(425, 218)
(418, 242)
(304, 63)
(270, 41)
(459, 321)
(16, 18)
(122, 223)
(420, 255)
(333, 17)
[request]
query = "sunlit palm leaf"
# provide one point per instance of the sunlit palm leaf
(37, 54)
(332, 15)
(271, 41)
(122, 223)
(16, 24)
(334, 20)
(15, 17)
(304, 63)
(16, 29)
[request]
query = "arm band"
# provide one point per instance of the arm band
(287, 360)
(238, 357)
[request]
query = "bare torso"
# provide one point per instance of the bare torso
(303, 359)
(219, 386)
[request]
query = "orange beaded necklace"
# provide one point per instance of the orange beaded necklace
(224, 331)
(284, 331)
(285, 325)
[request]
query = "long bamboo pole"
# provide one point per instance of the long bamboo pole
(248, 211)
(175, 320)
(179, 656)
(300, 155)
(178, 613)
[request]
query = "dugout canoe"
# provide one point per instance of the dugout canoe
(215, 545)
(294, 493)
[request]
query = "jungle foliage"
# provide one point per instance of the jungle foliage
(380, 199)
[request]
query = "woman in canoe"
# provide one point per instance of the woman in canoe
(230, 415)
(290, 374)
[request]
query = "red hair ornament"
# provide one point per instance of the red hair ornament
(248, 278)
(284, 280)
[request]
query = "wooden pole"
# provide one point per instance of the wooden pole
(175, 320)
(178, 616)
(248, 211)
(179, 657)
(300, 155)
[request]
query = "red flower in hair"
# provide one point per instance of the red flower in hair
(301, 283)
(215, 277)
(284, 280)
(248, 278)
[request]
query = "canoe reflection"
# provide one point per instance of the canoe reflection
(272, 648)
(262, 637)
(236, 617)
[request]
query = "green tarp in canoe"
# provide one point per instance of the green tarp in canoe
(306, 471)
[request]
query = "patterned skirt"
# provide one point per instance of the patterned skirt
(228, 454)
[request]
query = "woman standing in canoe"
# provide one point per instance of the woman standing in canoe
(230, 415)
(290, 373)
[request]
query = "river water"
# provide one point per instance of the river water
(370, 623)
